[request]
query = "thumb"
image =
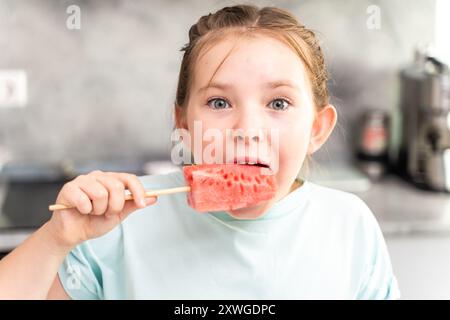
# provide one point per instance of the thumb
(131, 206)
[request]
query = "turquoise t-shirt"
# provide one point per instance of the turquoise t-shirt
(315, 243)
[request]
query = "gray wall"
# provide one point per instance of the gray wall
(106, 91)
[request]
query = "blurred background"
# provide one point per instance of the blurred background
(88, 85)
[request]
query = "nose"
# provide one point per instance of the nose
(247, 136)
(248, 126)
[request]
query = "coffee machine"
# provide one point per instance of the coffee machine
(424, 151)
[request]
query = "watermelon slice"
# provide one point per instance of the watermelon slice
(217, 187)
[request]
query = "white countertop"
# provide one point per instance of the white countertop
(421, 264)
(401, 207)
(416, 225)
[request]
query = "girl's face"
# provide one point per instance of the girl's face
(259, 87)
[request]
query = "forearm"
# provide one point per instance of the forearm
(29, 271)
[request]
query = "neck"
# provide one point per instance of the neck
(296, 184)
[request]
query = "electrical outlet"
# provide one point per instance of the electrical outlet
(13, 88)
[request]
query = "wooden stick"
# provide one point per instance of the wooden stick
(129, 196)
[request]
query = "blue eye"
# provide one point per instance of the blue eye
(279, 104)
(218, 104)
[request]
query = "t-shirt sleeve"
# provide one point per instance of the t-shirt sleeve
(80, 274)
(378, 280)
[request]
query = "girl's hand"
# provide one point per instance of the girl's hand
(99, 205)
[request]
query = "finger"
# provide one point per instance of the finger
(130, 206)
(72, 195)
(136, 188)
(96, 192)
(116, 191)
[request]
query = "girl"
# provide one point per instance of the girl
(244, 68)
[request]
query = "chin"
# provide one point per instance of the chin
(254, 212)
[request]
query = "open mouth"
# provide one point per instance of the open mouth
(252, 162)
(259, 165)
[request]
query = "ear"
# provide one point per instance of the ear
(180, 117)
(323, 125)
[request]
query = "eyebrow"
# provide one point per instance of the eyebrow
(270, 85)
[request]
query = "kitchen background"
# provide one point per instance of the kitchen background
(101, 97)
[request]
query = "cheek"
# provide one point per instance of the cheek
(294, 142)
(293, 149)
(205, 131)
(295, 138)
(295, 130)
(208, 120)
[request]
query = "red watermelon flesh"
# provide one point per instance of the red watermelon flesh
(217, 187)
